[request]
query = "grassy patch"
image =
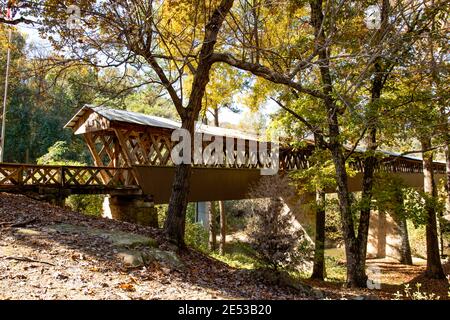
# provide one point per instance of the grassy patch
(238, 255)
(335, 264)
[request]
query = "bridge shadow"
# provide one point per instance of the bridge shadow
(34, 226)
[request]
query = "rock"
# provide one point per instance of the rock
(131, 240)
(28, 232)
(117, 238)
(166, 258)
(139, 258)
(131, 258)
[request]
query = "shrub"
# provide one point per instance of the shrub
(65, 154)
(409, 294)
(270, 228)
(417, 240)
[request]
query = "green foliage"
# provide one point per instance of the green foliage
(162, 214)
(196, 236)
(388, 194)
(416, 204)
(321, 175)
(417, 239)
(61, 152)
(409, 294)
(239, 255)
(333, 223)
(149, 101)
(335, 269)
(88, 204)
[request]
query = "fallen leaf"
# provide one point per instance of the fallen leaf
(127, 287)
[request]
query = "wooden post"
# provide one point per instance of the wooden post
(223, 227)
(212, 226)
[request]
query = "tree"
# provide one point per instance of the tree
(319, 249)
(423, 118)
(225, 83)
(165, 41)
(331, 67)
(212, 243)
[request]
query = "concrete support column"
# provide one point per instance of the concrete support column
(302, 207)
(134, 209)
(384, 237)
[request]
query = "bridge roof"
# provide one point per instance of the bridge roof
(140, 119)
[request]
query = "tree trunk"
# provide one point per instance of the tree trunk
(174, 226)
(400, 220)
(366, 203)
(223, 216)
(370, 160)
(434, 267)
(447, 183)
(406, 257)
(212, 226)
(356, 276)
(405, 252)
(319, 250)
(223, 228)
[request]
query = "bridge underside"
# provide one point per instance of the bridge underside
(207, 184)
(211, 184)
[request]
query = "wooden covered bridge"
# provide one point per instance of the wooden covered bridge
(131, 152)
(133, 166)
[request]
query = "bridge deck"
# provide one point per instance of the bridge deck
(208, 183)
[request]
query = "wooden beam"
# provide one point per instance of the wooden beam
(98, 161)
(128, 158)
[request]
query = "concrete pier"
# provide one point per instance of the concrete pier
(134, 209)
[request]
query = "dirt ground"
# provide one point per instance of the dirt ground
(391, 278)
(39, 262)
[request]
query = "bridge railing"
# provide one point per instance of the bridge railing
(23, 175)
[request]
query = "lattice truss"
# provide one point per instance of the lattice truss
(128, 147)
(125, 148)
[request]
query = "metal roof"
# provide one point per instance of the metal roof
(159, 122)
(154, 121)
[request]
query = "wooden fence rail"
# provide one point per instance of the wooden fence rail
(25, 175)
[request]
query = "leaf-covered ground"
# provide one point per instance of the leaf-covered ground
(37, 262)
(393, 278)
